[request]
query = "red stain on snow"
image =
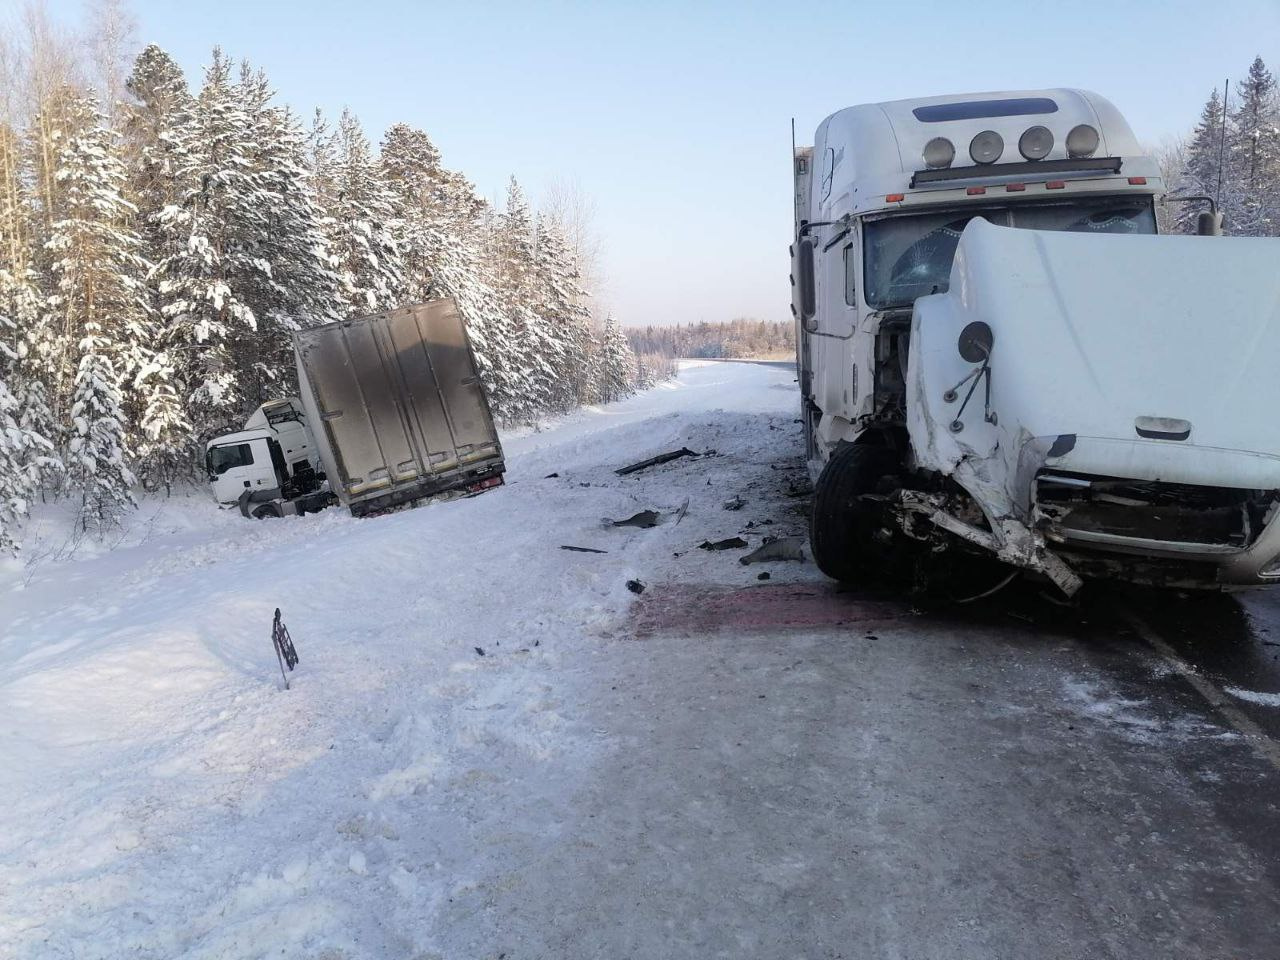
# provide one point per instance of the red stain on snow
(702, 608)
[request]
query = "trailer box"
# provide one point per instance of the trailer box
(397, 407)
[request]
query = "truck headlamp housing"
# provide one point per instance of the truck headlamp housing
(938, 153)
(1035, 143)
(1082, 141)
(986, 147)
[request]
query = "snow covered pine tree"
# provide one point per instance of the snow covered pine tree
(97, 274)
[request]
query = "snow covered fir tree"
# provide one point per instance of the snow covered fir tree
(158, 250)
(1236, 158)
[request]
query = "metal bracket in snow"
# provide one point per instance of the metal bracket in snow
(285, 652)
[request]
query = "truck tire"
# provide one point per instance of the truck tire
(846, 521)
(267, 510)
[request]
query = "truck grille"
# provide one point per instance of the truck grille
(1111, 511)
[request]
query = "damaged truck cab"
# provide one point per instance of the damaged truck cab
(996, 352)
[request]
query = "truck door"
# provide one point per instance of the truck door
(238, 466)
(837, 311)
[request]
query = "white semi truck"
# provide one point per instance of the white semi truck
(997, 353)
(391, 410)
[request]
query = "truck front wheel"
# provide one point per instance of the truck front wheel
(847, 526)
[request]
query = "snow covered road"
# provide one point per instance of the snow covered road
(493, 748)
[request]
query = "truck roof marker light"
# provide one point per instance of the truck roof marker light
(1014, 187)
(1082, 141)
(986, 147)
(938, 153)
(1055, 184)
(894, 197)
(975, 191)
(1137, 181)
(1035, 143)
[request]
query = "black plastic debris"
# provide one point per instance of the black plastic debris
(644, 520)
(732, 543)
(654, 461)
(764, 575)
(582, 549)
(551, 476)
(781, 548)
(479, 651)
(635, 586)
(737, 503)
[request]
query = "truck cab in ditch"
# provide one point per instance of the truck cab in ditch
(997, 352)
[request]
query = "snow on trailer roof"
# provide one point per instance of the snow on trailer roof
(876, 148)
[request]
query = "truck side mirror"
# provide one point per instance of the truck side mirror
(975, 343)
(1209, 224)
(805, 280)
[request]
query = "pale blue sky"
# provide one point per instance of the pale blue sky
(675, 117)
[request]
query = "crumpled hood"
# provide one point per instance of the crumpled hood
(1091, 333)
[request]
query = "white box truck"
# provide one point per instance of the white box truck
(391, 410)
(997, 352)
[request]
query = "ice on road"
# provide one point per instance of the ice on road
(493, 748)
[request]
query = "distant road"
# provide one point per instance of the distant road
(788, 364)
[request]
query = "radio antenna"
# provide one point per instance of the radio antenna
(1222, 142)
(794, 208)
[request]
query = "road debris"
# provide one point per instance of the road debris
(731, 544)
(644, 520)
(737, 503)
(635, 586)
(779, 548)
(479, 651)
(763, 575)
(684, 508)
(654, 461)
(582, 549)
(551, 476)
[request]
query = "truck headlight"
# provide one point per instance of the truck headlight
(938, 153)
(986, 147)
(1035, 143)
(1082, 141)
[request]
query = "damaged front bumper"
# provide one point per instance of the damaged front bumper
(1080, 526)
(1010, 540)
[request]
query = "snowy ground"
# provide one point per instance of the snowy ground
(161, 796)
(719, 767)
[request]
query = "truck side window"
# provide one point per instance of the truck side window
(828, 171)
(223, 458)
(850, 276)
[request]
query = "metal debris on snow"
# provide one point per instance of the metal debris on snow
(684, 508)
(780, 548)
(654, 461)
(582, 549)
(644, 520)
(731, 544)
(737, 503)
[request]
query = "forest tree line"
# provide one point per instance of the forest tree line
(161, 241)
(743, 337)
